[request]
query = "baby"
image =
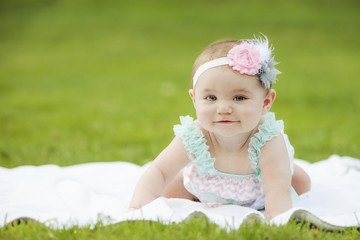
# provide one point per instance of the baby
(235, 152)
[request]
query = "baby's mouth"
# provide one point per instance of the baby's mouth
(226, 121)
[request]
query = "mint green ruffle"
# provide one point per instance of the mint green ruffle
(269, 129)
(195, 145)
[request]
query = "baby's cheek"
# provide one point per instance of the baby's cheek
(252, 117)
(202, 112)
(204, 117)
(201, 117)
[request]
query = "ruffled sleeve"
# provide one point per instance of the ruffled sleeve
(266, 131)
(195, 145)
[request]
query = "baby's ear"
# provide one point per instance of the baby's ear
(192, 95)
(269, 100)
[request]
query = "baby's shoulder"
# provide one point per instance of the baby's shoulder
(275, 143)
(275, 148)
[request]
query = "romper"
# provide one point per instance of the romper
(215, 188)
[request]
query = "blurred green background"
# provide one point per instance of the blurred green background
(87, 81)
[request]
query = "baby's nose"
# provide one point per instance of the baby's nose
(224, 108)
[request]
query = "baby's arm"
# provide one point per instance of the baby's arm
(276, 177)
(161, 171)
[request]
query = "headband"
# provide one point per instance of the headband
(250, 57)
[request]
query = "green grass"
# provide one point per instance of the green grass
(191, 229)
(89, 81)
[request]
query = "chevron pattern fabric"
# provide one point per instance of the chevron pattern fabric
(215, 190)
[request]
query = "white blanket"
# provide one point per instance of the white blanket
(86, 193)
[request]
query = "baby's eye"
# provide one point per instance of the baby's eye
(239, 98)
(211, 98)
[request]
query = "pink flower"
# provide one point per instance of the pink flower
(245, 58)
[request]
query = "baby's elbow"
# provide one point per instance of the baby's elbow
(300, 181)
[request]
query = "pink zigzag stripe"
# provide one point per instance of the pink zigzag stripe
(227, 187)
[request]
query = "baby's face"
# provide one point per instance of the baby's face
(227, 102)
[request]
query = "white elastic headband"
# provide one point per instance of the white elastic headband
(211, 64)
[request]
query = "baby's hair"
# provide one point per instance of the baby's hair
(215, 50)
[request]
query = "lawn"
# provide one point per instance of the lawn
(90, 81)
